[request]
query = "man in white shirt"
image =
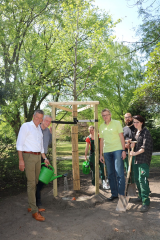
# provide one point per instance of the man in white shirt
(30, 149)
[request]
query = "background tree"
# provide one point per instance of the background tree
(149, 92)
(146, 101)
(85, 36)
(149, 31)
(20, 82)
(122, 77)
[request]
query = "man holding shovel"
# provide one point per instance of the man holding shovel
(129, 132)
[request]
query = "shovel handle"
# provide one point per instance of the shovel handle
(130, 164)
(104, 170)
(128, 155)
(128, 172)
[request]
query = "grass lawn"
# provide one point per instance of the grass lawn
(155, 162)
(65, 149)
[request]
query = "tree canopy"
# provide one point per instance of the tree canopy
(51, 47)
(62, 50)
(121, 77)
(149, 31)
(21, 88)
(148, 94)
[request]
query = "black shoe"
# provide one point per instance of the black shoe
(111, 199)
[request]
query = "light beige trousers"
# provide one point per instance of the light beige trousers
(32, 170)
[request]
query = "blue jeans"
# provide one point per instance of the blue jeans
(115, 169)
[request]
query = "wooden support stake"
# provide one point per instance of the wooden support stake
(75, 155)
(54, 163)
(96, 143)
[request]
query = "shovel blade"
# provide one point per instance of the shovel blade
(122, 203)
(131, 191)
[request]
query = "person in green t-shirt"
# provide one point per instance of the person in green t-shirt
(112, 152)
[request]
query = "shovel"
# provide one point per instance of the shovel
(131, 191)
(106, 180)
(123, 200)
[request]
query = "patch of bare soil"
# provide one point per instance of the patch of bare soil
(90, 217)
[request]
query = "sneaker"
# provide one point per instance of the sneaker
(144, 208)
(106, 185)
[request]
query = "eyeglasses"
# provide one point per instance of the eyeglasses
(127, 117)
(106, 115)
(136, 122)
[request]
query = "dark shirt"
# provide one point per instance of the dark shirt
(47, 139)
(144, 140)
(129, 133)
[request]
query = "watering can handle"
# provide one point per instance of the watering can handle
(49, 166)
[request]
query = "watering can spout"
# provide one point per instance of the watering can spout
(54, 177)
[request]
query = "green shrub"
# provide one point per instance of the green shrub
(155, 133)
(10, 175)
(68, 138)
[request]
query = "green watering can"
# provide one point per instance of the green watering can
(47, 174)
(86, 167)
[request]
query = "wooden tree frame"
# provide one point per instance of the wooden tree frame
(74, 131)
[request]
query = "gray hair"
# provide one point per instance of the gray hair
(47, 116)
(38, 111)
(106, 110)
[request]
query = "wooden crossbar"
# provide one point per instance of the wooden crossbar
(73, 103)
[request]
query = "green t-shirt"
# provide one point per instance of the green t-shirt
(110, 135)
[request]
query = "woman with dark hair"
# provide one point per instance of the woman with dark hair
(143, 154)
